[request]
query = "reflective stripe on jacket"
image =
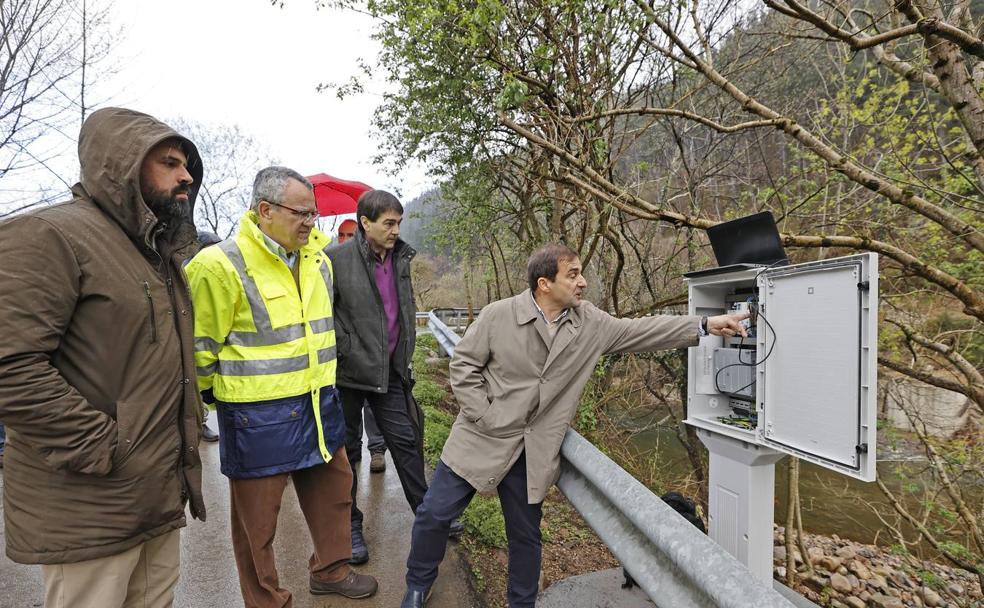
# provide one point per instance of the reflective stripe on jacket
(259, 336)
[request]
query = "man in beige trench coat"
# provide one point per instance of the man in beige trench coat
(518, 374)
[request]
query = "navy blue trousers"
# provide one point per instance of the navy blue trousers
(446, 500)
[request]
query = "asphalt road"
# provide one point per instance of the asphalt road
(208, 570)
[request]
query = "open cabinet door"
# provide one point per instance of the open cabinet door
(816, 387)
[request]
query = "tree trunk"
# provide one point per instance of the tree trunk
(794, 485)
(791, 482)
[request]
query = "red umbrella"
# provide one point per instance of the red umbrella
(336, 196)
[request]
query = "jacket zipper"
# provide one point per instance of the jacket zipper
(153, 316)
(185, 490)
(179, 465)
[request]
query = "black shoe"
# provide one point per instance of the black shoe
(360, 551)
(209, 435)
(354, 586)
(415, 599)
(456, 529)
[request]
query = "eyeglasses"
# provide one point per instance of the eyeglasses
(306, 216)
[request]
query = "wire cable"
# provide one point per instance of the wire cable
(748, 364)
(757, 312)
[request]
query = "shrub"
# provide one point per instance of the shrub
(437, 427)
(428, 393)
(484, 521)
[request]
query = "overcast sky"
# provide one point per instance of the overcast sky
(246, 62)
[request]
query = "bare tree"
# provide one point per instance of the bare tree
(231, 157)
(47, 45)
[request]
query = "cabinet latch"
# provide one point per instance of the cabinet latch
(864, 286)
(861, 448)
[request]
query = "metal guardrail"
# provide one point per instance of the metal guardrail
(673, 562)
(445, 336)
(456, 319)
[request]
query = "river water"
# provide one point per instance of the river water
(831, 503)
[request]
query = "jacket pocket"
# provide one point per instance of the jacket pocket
(153, 315)
(342, 343)
(270, 434)
(499, 420)
(124, 434)
(478, 414)
(281, 309)
(332, 418)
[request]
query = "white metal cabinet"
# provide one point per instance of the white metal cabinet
(816, 360)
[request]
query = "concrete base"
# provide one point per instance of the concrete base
(601, 589)
(741, 489)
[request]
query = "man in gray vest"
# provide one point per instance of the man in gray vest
(375, 323)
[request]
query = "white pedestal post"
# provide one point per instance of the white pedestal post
(741, 492)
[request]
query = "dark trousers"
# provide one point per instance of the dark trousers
(446, 500)
(401, 433)
(375, 441)
(323, 493)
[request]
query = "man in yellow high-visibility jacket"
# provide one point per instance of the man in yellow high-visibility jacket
(265, 351)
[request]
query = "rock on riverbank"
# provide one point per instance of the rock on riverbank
(851, 575)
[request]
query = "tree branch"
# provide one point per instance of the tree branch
(925, 27)
(638, 207)
(837, 161)
(680, 114)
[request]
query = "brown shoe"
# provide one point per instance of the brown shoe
(354, 586)
(377, 464)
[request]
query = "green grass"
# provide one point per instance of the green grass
(437, 427)
(484, 522)
(428, 393)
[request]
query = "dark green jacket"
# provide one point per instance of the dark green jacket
(360, 321)
(97, 373)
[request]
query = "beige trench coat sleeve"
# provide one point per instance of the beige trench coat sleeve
(470, 357)
(660, 332)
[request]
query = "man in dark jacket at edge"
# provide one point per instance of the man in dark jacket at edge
(97, 371)
(375, 324)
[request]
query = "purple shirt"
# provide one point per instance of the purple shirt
(386, 284)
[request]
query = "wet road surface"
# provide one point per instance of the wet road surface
(208, 570)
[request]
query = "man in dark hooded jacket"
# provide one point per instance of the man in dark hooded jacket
(97, 386)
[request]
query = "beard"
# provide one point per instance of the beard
(166, 205)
